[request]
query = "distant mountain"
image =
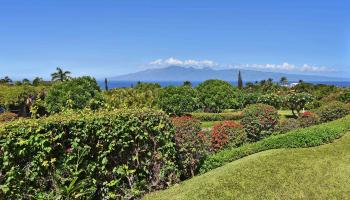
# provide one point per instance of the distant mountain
(176, 73)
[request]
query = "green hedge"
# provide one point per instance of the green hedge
(115, 155)
(307, 137)
(217, 116)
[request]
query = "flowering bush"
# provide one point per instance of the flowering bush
(297, 101)
(191, 144)
(333, 110)
(286, 125)
(259, 121)
(272, 100)
(227, 133)
(307, 119)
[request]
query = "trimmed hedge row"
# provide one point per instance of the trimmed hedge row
(307, 137)
(217, 116)
(115, 155)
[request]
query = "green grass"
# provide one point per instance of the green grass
(285, 113)
(208, 124)
(321, 172)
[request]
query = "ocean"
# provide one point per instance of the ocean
(124, 84)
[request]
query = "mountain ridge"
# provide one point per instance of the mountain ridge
(178, 73)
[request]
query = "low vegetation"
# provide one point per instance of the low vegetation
(308, 137)
(302, 173)
(82, 142)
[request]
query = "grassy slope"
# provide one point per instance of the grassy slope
(305, 173)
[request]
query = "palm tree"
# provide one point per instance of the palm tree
(6, 79)
(284, 80)
(60, 75)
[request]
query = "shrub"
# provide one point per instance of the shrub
(297, 101)
(130, 98)
(230, 116)
(245, 99)
(102, 155)
(227, 134)
(345, 96)
(177, 100)
(333, 110)
(191, 144)
(348, 105)
(286, 125)
(216, 95)
(8, 116)
(147, 86)
(76, 94)
(259, 121)
(307, 119)
(307, 137)
(272, 100)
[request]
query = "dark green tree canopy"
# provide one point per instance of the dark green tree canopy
(216, 95)
(77, 93)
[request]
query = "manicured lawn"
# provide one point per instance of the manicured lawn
(285, 113)
(304, 173)
(208, 124)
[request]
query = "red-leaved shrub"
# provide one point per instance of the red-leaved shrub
(8, 116)
(259, 121)
(225, 134)
(307, 119)
(191, 144)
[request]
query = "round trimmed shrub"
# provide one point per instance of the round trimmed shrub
(307, 119)
(286, 125)
(177, 100)
(227, 134)
(191, 144)
(259, 121)
(216, 95)
(332, 111)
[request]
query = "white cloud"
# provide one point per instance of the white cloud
(183, 63)
(284, 67)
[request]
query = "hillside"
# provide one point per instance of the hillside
(306, 173)
(176, 73)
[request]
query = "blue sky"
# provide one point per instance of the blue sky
(104, 38)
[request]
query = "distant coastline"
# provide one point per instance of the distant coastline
(124, 84)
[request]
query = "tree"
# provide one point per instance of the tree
(283, 80)
(240, 81)
(37, 81)
(60, 75)
(6, 79)
(177, 100)
(216, 95)
(297, 101)
(26, 81)
(77, 93)
(187, 83)
(147, 86)
(106, 84)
